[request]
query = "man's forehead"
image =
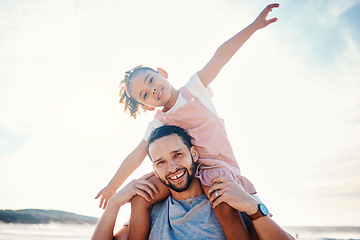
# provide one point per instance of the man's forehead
(167, 144)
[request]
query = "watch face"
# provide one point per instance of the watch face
(263, 209)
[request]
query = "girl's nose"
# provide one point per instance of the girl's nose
(154, 90)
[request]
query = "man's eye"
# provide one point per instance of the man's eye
(178, 155)
(159, 163)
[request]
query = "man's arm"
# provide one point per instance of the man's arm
(105, 227)
(233, 194)
(227, 50)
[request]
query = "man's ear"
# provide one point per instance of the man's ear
(147, 108)
(163, 72)
(194, 153)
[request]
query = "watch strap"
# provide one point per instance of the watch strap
(256, 215)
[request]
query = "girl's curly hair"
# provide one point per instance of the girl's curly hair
(131, 106)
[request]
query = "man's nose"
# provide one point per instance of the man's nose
(173, 166)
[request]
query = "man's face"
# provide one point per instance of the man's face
(173, 162)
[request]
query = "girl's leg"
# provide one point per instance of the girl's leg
(139, 225)
(230, 220)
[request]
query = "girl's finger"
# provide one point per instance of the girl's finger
(101, 202)
(98, 195)
(271, 20)
(271, 6)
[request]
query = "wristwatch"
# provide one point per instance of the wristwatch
(262, 211)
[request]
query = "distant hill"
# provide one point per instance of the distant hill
(39, 216)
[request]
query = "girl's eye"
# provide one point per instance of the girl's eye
(145, 95)
(151, 80)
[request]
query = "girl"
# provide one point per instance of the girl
(190, 107)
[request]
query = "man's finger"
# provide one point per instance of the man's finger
(147, 176)
(217, 201)
(218, 179)
(143, 194)
(151, 185)
(144, 185)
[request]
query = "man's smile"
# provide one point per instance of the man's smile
(177, 177)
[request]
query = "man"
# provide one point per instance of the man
(186, 213)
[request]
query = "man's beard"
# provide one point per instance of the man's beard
(189, 179)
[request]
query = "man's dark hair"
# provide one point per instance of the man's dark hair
(168, 130)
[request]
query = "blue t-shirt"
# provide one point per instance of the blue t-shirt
(192, 218)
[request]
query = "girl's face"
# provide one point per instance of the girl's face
(151, 89)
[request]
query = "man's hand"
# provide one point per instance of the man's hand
(141, 187)
(233, 194)
(261, 22)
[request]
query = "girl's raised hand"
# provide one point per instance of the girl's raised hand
(261, 22)
(106, 193)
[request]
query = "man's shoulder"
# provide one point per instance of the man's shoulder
(157, 207)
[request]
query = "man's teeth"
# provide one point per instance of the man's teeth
(178, 176)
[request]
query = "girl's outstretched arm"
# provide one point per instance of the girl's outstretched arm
(225, 52)
(128, 166)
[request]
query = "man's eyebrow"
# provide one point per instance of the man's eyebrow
(144, 83)
(177, 150)
(172, 152)
(157, 160)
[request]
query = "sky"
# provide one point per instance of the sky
(290, 98)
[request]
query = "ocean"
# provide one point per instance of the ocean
(79, 232)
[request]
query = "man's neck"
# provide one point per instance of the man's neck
(194, 190)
